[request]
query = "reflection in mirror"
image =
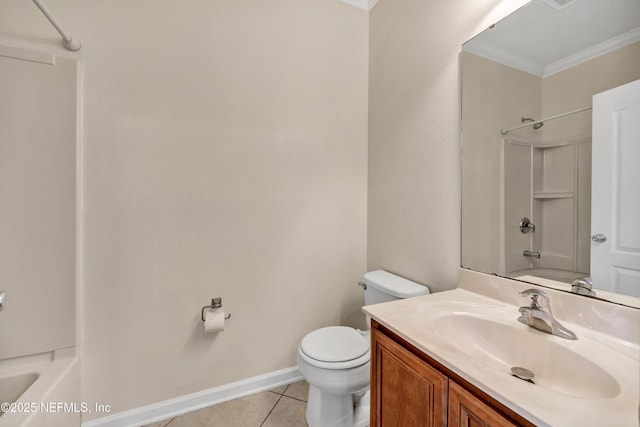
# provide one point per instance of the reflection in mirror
(527, 95)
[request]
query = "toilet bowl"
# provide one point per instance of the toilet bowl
(335, 360)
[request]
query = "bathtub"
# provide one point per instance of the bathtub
(42, 390)
(562, 276)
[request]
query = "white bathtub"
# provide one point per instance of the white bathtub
(563, 276)
(37, 387)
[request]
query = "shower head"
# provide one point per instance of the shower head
(538, 125)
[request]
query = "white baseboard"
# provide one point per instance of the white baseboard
(191, 402)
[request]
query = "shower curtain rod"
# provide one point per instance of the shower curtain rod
(579, 110)
(69, 43)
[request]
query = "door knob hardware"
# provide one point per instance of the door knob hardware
(599, 238)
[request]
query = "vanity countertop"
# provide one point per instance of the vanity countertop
(592, 381)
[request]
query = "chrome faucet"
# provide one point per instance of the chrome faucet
(583, 286)
(538, 315)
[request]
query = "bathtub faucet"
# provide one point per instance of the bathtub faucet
(4, 297)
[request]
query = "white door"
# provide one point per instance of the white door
(615, 212)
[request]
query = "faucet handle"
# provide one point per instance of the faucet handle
(539, 299)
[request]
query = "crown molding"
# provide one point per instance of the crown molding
(592, 52)
(501, 56)
(522, 63)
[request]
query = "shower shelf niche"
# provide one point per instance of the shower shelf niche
(549, 195)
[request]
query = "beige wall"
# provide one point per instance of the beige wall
(574, 88)
(225, 154)
(414, 133)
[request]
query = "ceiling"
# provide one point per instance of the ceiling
(542, 40)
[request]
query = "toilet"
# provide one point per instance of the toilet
(335, 360)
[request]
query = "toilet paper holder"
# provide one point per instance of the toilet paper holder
(215, 303)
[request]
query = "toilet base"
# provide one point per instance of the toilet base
(362, 414)
(333, 410)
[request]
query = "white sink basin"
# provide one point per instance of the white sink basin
(500, 346)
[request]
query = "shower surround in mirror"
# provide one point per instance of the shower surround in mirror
(544, 182)
(543, 174)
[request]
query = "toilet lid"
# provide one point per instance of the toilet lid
(334, 344)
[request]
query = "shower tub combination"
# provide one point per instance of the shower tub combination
(39, 353)
(563, 276)
(40, 390)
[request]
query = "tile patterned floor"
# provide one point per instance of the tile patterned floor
(280, 407)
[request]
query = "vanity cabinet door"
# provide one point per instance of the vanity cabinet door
(405, 391)
(466, 410)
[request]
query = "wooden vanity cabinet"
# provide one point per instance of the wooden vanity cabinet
(409, 389)
(405, 391)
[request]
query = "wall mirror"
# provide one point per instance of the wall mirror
(529, 175)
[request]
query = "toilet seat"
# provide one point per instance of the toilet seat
(335, 347)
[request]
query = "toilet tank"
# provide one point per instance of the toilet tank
(382, 286)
